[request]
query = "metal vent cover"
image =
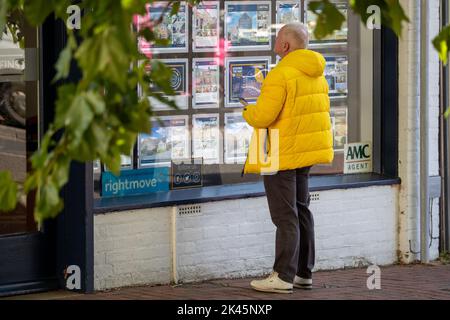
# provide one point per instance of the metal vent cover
(315, 196)
(190, 210)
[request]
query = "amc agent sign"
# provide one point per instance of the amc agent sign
(358, 158)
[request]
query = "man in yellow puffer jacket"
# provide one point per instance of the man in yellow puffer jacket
(292, 133)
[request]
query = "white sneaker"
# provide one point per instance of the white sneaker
(272, 284)
(302, 283)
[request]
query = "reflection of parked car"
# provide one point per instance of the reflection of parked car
(12, 86)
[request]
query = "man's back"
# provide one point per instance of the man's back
(294, 100)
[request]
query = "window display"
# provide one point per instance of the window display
(244, 79)
(336, 75)
(237, 138)
(174, 28)
(226, 56)
(168, 140)
(247, 25)
(206, 137)
(178, 82)
(288, 12)
(205, 83)
(339, 37)
(206, 30)
(339, 123)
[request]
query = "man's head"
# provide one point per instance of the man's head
(291, 37)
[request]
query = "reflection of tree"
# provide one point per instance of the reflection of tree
(14, 24)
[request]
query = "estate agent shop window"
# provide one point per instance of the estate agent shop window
(220, 51)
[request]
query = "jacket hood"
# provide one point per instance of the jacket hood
(309, 62)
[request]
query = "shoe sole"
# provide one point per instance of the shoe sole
(303, 286)
(273, 290)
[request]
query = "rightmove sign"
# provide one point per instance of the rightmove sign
(358, 158)
(131, 182)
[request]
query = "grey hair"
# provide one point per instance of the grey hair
(299, 33)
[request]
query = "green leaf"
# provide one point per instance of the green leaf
(60, 172)
(62, 66)
(397, 16)
(60, 7)
(39, 158)
(79, 116)
(442, 42)
(128, 4)
(104, 55)
(329, 18)
(139, 118)
(113, 162)
(101, 137)
(66, 95)
(4, 5)
(162, 42)
(48, 203)
(147, 34)
(8, 191)
(175, 8)
(447, 113)
(31, 182)
(37, 10)
(96, 102)
(95, 143)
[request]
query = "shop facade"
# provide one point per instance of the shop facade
(183, 212)
(224, 229)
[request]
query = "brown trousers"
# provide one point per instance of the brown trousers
(288, 197)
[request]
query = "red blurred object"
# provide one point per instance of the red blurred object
(144, 22)
(222, 50)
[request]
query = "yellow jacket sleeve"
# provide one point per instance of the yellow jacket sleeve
(269, 103)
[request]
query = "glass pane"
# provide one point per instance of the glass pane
(220, 51)
(18, 119)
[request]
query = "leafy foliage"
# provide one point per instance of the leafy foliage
(100, 116)
(8, 191)
(329, 18)
(442, 42)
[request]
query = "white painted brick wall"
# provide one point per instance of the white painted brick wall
(236, 238)
(132, 247)
(434, 89)
(409, 132)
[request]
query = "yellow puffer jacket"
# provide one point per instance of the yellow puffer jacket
(293, 115)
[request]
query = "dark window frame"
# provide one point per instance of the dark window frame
(73, 228)
(444, 244)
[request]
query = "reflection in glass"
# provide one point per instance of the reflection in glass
(339, 36)
(18, 120)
